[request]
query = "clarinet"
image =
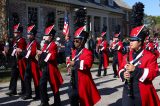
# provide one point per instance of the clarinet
(129, 83)
(72, 81)
(74, 77)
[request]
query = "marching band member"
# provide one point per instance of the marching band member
(19, 65)
(32, 69)
(48, 64)
(68, 49)
(84, 91)
(151, 45)
(116, 49)
(103, 55)
(139, 67)
(156, 45)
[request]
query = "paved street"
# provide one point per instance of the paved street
(110, 89)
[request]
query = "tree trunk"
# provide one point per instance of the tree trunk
(3, 19)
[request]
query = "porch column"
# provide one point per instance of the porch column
(101, 24)
(92, 26)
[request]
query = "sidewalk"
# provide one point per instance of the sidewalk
(110, 89)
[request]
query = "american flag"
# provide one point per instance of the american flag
(66, 25)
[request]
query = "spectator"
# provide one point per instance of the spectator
(68, 49)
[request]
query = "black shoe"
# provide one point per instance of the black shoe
(11, 93)
(25, 97)
(36, 98)
(44, 104)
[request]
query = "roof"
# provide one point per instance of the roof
(92, 5)
(122, 4)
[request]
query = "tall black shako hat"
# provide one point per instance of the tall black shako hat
(104, 31)
(138, 32)
(32, 29)
(17, 28)
(117, 32)
(80, 24)
(49, 30)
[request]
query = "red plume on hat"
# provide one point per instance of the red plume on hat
(104, 31)
(137, 32)
(49, 30)
(116, 35)
(78, 32)
(29, 29)
(17, 28)
(80, 23)
(117, 31)
(32, 29)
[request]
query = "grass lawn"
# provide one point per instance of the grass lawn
(5, 76)
(5, 79)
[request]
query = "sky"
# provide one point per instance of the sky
(152, 7)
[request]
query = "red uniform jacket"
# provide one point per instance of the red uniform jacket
(143, 76)
(88, 93)
(55, 76)
(156, 52)
(104, 45)
(119, 52)
(118, 48)
(152, 47)
(32, 46)
(21, 43)
(99, 41)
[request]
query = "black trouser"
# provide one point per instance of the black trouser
(14, 78)
(74, 97)
(101, 61)
(134, 100)
(114, 66)
(27, 80)
(43, 89)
